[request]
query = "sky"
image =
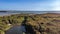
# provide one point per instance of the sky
(30, 5)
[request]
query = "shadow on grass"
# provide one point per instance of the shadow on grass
(29, 28)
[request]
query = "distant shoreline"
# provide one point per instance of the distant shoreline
(3, 11)
(8, 13)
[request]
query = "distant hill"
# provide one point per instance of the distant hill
(3, 11)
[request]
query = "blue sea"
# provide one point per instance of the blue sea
(26, 12)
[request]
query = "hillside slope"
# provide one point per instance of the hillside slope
(34, 24)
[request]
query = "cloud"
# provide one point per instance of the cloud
(52, 6)
(56, 5)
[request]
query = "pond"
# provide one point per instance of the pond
(16, 30)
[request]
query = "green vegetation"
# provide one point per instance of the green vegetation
(6, 22)
(2, 32)
(41, 23)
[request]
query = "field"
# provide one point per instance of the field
(48, 23)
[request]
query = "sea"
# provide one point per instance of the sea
(2, 13)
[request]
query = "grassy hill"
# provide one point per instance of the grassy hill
(48, 23)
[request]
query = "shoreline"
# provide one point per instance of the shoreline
(9, 14)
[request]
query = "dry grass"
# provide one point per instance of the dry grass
(49, 22)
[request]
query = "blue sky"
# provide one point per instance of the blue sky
(32, 5)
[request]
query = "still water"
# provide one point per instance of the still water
(16, 30)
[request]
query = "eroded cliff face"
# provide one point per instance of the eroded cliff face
(34, 24)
